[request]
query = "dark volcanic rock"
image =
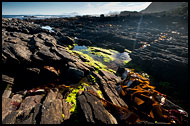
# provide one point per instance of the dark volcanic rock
(129, 31)
(39, 70)
(52, 109)
(20, 47)
(66, 109)
(6, 107)
(83, 42)
(7, 81)
(22, 26)
(6, 93)
(94, 110)
(75, 74)
(11, 118)
(160, 61)
(65, 40)
(39, 57)
(10, 105)
(107, 82)
(25, 112)
(28, 110)
(167, 61)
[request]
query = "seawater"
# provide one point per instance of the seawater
(118, 57)
(48, 28)
(35, 16)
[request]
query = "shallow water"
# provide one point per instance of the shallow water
(119, 58)
(78, 48)
(122, 56)
(48, 28)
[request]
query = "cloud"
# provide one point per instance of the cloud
(103, 8)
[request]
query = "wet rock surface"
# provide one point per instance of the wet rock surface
(46, 82)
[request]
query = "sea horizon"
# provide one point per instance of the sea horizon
(25, 16)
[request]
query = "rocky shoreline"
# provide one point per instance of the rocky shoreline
(46, 82)
(159, 42)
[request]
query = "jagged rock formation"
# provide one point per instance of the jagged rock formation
(167, 56)
(170, 59)
(45, 82)
(91, 104)
(164, 35)
(130, 31)
(36, 58)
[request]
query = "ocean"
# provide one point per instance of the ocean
(36, 16)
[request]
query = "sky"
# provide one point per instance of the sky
(61, 8)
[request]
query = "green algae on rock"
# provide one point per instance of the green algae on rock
(71, 98)
(90, 61)
(106, 54)
(111, 58)
(125, 62)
